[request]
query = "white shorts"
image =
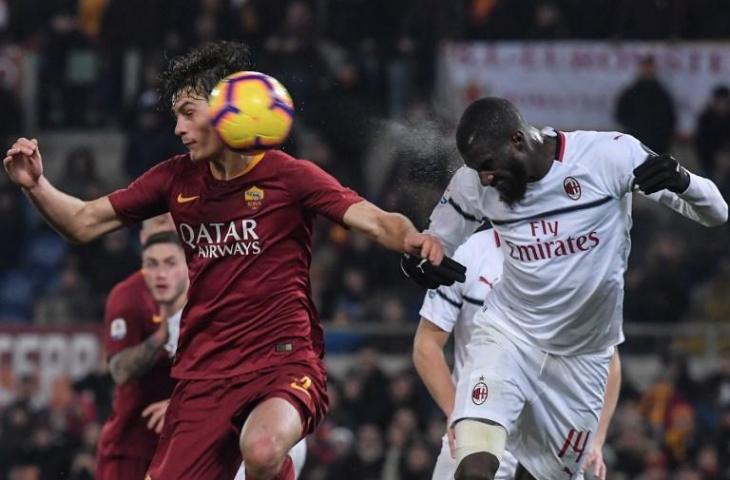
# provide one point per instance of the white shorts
(298, 454)
(446, 465)
(548, 404)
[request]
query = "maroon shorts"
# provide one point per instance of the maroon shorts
(120, 468)
(202, 425)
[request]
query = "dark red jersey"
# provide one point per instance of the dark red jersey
(130, 317)
(248, 246)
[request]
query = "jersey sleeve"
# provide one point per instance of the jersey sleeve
(458, 214)
(442, 306)
(319, 191)
(123, 327)
(701, 202)
(146, 196)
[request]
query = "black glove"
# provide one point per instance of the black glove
(659, 172)
(427, 275)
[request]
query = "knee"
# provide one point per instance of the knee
(262, 454)
(477, 466)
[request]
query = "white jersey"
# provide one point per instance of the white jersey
(453, 308)
(173, 333)
(566, 243)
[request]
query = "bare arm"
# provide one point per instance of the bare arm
(428, 357)
(595, 461)
(75, 219)
(392, 230)
(135, 361)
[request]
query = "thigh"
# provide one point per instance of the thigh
(556, 431)
(120, 468)
(493, 384)
(198, 440)
(303, 385)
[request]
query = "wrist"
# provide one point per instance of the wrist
(36, 186)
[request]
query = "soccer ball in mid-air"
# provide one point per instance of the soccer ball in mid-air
(251, 112)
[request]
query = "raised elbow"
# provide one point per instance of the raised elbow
(720, 217)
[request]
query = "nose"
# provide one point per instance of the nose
(179, 127)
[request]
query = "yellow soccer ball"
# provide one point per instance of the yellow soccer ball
(251, 112)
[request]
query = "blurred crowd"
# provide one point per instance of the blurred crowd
(362, 73)
(384, 426)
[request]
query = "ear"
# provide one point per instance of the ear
(518, 140)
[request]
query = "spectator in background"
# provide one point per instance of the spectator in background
(651, 19)
(68, 302)
(645, 109)
(549, 22)
(13, 227)
(713, 129)
(149, 137)
(80, 177)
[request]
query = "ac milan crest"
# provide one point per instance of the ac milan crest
(572, 187)
(480, 393)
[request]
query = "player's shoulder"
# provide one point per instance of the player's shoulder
(130, 293)
(480, 244)
(598, 141)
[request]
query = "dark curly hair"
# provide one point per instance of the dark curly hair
(199, 70)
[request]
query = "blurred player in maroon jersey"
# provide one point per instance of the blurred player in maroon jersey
(135, 331)
(249, 361)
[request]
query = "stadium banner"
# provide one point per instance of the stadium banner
(575, 85)
(50, 352)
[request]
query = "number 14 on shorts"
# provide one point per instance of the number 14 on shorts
(575, 442)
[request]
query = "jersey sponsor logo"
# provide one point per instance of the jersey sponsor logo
(480, 392)
(572, 188)
(118, 329)
(183, 199)
(559, 247)
(221, 239)
(254, 197)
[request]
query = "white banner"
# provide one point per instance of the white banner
(46, 353)
(575, 85)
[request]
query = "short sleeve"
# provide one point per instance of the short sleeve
(320, 192)
(123, 325)
(146, 196)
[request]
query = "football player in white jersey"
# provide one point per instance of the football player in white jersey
(538, 359)
(451, 309)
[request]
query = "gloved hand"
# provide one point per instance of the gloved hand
(427, 275)
(659, 172)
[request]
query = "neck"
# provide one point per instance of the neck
(169, 309)
(230, 165)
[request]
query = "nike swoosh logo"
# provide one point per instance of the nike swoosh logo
(181, 199)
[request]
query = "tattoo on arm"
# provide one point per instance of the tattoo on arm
(134, 361)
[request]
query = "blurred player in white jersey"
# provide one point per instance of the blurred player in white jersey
(452, 309)
(538, 359)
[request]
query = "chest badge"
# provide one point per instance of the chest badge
(254, 197)
(572, 188)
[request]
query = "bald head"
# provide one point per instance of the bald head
(486, 126)
(151, 226)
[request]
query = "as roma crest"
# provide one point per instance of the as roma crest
(254, 197)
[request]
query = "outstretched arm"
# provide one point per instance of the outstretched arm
(393, 231)
(75, 219)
